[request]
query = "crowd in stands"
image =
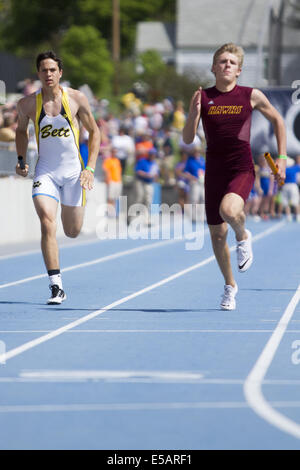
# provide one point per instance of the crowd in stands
(143, 143)
(8, 122)
(267, 200)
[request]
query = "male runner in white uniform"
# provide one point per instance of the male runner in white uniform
(60, 175)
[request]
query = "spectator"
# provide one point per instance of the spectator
(131, 102)
(147, 172)
(30, 86)
(105, 145)
(143, 146)
(182, 183)
(113, 177)
(254, 200)
(290, 198)
(168, 113)
(298, 174)
(124, 146)
(194, 172)
(113, 125)
(167, 163)
(267, 186)
(7, 132)
(156, 117)
(141, 123)
(178, 118)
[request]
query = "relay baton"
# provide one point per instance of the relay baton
(272, 165)
(21, 163)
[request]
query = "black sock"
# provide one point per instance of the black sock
(53, 272)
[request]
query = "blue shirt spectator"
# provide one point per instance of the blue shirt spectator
(291, 174)
(194, 164)
(147, 166)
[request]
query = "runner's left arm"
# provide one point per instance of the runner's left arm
(86, 117)
(260, 102)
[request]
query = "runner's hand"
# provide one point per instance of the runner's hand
(87, 179)
(195, 105)
(21, 172)
(280, 176)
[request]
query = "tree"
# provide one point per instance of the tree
(86, 58)
(131, 11)
(162, 80)
(151, 63)
(31, 22)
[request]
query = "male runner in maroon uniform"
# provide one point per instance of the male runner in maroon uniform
(226, 110)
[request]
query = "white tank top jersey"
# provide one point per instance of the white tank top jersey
(58, 141)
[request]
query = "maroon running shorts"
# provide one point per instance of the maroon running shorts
(217, 185)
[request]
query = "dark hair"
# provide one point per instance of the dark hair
(48, 55)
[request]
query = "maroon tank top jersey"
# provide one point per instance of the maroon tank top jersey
(226, 119)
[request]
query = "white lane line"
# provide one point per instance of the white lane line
(95, 376)
(74, 244)
(31, 344)
(20, 254)
(36, 251)
(146, 331)
(78, 407)
(253, 383)
(66, 244)
(95, 261)
(114, 376)
(119, 407)
(175, 331)
(281, 382)
(264, 233)
(162, 376)
(132, 251)
(268, 231)
(53, 334)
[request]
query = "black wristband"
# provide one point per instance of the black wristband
(21, 162)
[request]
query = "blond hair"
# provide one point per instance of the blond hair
(233, 49)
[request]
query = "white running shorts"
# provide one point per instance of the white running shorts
(67, 191)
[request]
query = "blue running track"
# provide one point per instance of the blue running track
(140, 356)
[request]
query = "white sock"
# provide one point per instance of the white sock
(55, 279)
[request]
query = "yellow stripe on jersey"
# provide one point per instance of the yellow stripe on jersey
(75, 130)
(65, 102)
(38, 110)
(83, 197)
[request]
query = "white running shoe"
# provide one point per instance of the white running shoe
(228, 298)
(244, 253)
(57, 295)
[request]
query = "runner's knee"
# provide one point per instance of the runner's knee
(229, 213)
(48, 225)
(72, 231)
(219, 236)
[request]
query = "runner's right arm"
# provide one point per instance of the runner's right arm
(22, 137)
(193, 118)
